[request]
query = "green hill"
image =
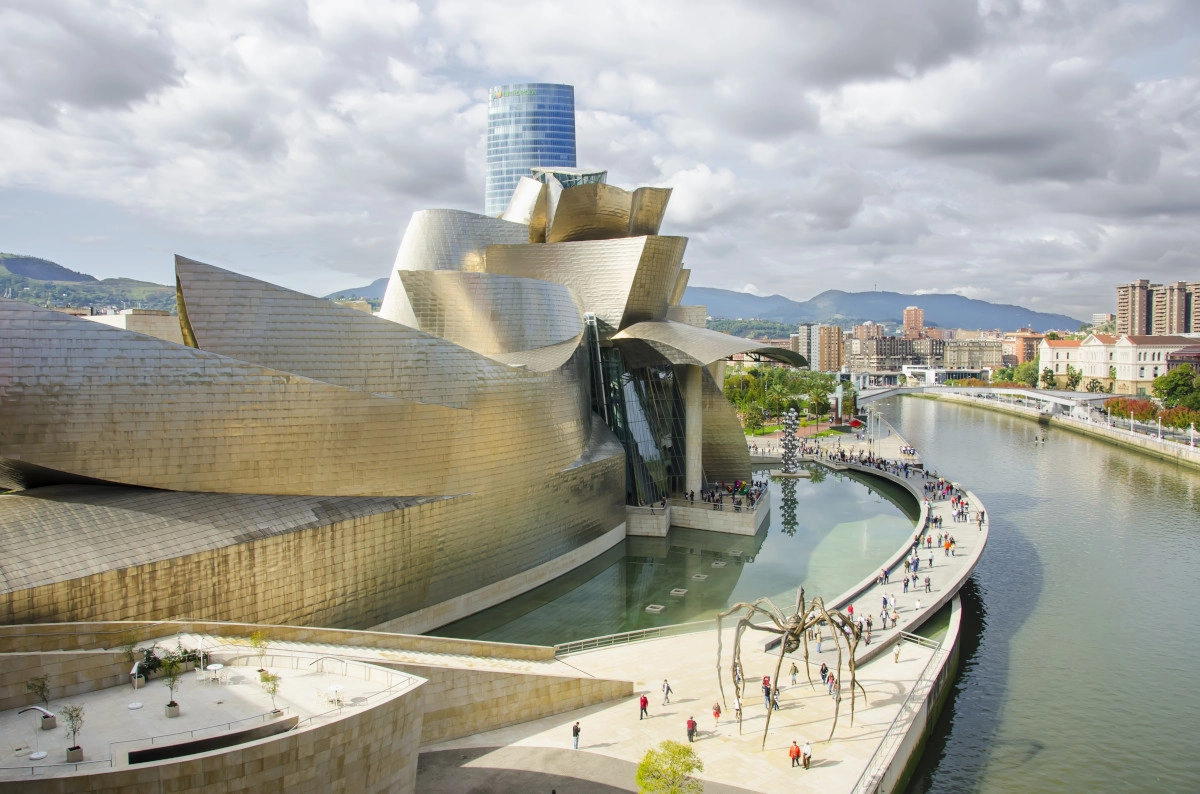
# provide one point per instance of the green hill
(46, 283)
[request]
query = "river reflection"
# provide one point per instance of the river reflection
(1082, 643)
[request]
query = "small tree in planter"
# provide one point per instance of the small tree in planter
(172, 672)
(270, 685)
(39, 686)
(74, 717)
(259, 640)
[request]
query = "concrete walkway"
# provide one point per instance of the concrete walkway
(613, 739)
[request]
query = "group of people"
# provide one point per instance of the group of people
(742, 493)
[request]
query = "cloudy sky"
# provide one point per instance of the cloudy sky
(1026, 151)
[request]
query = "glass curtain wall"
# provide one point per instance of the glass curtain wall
(645, 411)
(529, 125)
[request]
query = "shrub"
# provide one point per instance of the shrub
(39, 686)
(668, 769)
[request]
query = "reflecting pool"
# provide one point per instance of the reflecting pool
(827, 533)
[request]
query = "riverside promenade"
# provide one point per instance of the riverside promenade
(538, 755)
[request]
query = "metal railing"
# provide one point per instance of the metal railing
(114, 748)
(872, 775)
(49, 769)
(637, 635)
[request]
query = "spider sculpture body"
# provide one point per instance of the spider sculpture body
(793, 631)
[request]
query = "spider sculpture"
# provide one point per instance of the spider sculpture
(794, 631)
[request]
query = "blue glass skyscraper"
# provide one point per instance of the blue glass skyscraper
(529, 125)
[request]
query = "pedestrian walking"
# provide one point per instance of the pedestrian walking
(931, 559)
(906, 584)
(666, 690)
(691, 729)
(824, 672)
(775, 698)
(794, 752)
(831, 683)
(766, 690)
(927, 584)
(918, 609)
(716, 714)
(575, 735)
(794, 671)
(643, 702)
(806, 754)
(896, 654)
(737, 709)
(819, 635)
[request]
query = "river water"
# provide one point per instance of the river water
(1081, 664)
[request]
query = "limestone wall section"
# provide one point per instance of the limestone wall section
(67, 673)
(465, 702)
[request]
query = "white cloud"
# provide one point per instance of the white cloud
(1013, 150)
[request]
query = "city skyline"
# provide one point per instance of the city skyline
(1028, 154)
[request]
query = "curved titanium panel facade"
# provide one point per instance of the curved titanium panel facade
(680, 343)
(524, 201)
(646, 210)
(615, 279)
(591, 212)
(490, 313)
(100, 402)
(444, 240)
(726, 456)
(529, 124)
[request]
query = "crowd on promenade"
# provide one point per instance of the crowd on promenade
(740, 493)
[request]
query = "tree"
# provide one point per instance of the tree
(259, 640)
(1048, 381)
(270, 685)
(172, 672)
(1176, 385)
(668, 769)
(1095, 386)
(74, 717)
(820, 404)
(1027, 373)
(754, 419)
(1052, 336)
(1074, 378)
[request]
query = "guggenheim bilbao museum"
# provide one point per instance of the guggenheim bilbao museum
(527, 378)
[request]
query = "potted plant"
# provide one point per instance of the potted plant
(74, 717)
(39, 686)
(270, 685)
(259, 640)
(171, 665)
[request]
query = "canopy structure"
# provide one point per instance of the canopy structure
(686, 344)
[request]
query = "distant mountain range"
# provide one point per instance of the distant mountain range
(852, 308)
(373, 291)
(42, 282)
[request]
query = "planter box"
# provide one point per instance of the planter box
(49, 722)
(173, 711)
(74, 755)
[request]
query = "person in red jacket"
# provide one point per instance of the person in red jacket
(643, 703)
(691, 729)
(794, 753)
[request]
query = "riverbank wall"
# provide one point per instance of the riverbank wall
(1169, 451)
